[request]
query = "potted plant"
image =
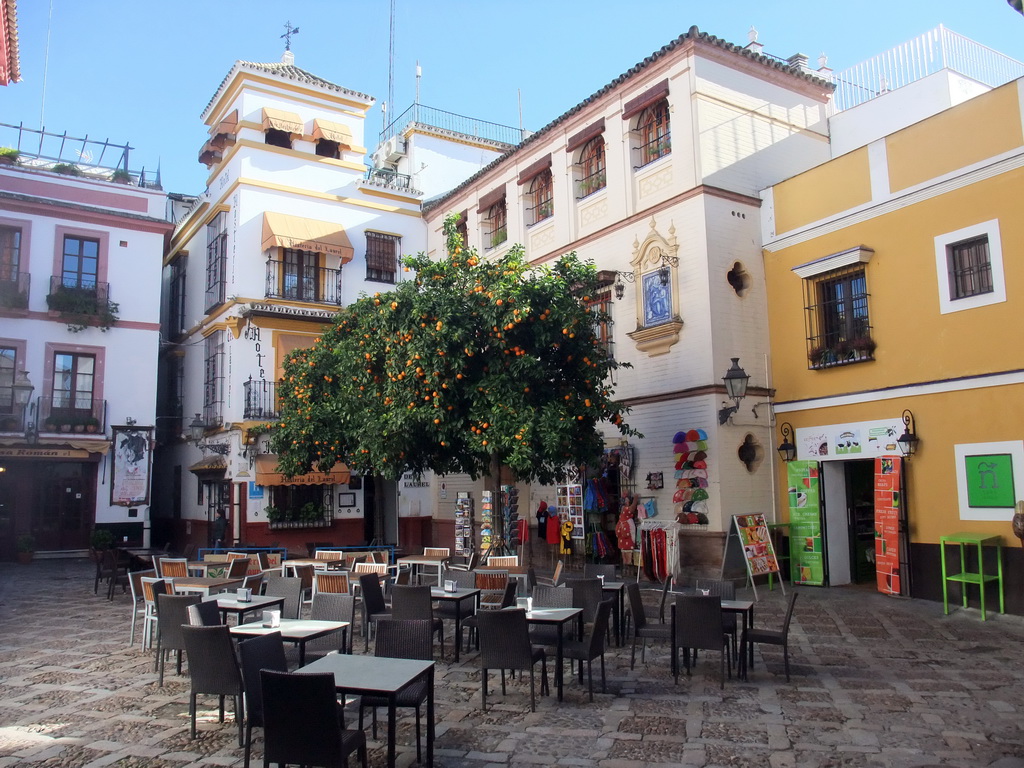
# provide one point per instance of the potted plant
(9, 156)
(864, 346)
(50, 425)
(78, 424)
(101, 539)
(68, 169)
(274, 514)
(92, 424)
(121, 176)
(821, 355)
(26, 547)
(82, 307)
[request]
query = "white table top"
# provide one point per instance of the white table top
(292, 629)
(258, 601)
(438, 593)
(369, 673)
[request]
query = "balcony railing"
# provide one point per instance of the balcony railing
(450, 121)
(317, 285)
(12, 417)
(82, 303)
(915, 59)
(14, 290)
(261, 400)
(385, 177)
(71, 412)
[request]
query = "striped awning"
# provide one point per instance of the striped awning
(280, 120)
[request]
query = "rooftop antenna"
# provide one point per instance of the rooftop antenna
(46, 68)
(391, 61)
(519, 95)
(419, 76)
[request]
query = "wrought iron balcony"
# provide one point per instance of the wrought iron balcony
(317, 285)
(384, 177)
(71, 412)
(260, 400)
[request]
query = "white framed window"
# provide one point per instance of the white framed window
(969, 266)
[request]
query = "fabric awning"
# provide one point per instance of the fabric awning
(228, 125)
(283, 231)
(288, 122)
(210, 465)
(209, 154)
(267, 474)
(325, 129)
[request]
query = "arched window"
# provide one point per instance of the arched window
(540, 201)
(592, 176)
(655, 134)
(496, 225)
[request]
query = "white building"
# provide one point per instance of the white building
(80, 248)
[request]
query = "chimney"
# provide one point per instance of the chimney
(287, 57)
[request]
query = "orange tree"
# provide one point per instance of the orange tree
(472, 365)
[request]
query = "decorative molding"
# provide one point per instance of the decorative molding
(859, 254)
(655, 182)
(658, 339)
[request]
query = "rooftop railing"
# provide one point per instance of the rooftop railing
(449, 121)
(915, 59)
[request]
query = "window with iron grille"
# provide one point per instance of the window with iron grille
(462, 227)
(838, 324)
(382, 253)
(970, 269)
(540, 204)
(216, 260)
(600, 307)
(496, 224)
(654, 134)
(300, 272)
(80, 262)
(8, 366)
(74, 379)
(176, 298)
(591, 174)
(213, 379)
(10, 253)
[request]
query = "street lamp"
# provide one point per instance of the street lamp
(197, 429)
(908, 441)
(736, 380)
(22, 389)
(787, 450)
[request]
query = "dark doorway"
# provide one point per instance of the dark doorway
(64, 502)
(860, 510)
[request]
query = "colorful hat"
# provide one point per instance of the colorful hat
(699, 495)
(699, 464)
(679, 437)
(693, 434)
(699, 455)
(678, 496)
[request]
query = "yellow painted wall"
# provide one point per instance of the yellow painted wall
(915, 342)
(982, 127)
(942, 421)
(823, 191)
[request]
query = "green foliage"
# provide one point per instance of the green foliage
(82, 307)
(121, 176)
(9, 154)
(472, 364)
(26, 543)
(274, 514)
(101, 539)
(68, 169)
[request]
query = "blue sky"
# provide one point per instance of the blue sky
(141, 72)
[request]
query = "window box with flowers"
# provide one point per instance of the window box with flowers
(842, 352)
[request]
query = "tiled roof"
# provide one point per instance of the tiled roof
(285, 72)
(693, 33)
(10, 11)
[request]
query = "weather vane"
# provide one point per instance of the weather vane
(288, 32)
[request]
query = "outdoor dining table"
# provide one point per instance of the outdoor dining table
(418, 562)
(318, 565)
(558, 618)
(298, 631)
(745, 609)
(230, 604)
(372, 675)
(204, 585)
(457, 597)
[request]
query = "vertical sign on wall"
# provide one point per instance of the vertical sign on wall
(888, 499)
(806, 547)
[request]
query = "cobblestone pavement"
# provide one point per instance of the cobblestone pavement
(876, 682)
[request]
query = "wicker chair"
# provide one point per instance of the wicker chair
(402, 639)
(290, 589)
(586, 594)
(204, 614)
(593, 570)
(776, 636)
(213, 670)
(172, 614)
(409, 603)
(505, 644)
(643, 629)
(328, 606)
(591, 646)
(265, 652)
(115, 571)
(298, 705)
(549, 597)
(697, 625)
(374, 605)
(727, 591)
(470, 623)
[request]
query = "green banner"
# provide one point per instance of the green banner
(806, 550)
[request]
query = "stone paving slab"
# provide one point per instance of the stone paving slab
(876, 682)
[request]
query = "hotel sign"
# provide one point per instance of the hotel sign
(43, 453)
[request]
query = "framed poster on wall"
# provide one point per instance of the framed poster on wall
(130, 465)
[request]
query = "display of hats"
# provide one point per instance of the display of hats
(702, 519)
(688, 506)
(680, 447)
(691, 473)
(699, 495)
(682, 464)
(692, 518)
(678, 496)
(693, 434)
(698, 456)
(700, 464)
(679, 437)
(702, 435)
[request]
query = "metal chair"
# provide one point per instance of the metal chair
(697, 625)
(505, 644)
(298, 705)
(413, 603)
(253, 581)
(402, 639)
(593, 570)
(591, 646)
(138, 598)
(556, 577)
(172, 614)
(238, 567)
(265, 652)
(213, 670)
(151, 587)
(641, 627)
(776, 636)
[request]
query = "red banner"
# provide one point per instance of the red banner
(888, 498)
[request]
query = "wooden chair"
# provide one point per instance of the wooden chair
(138, 598)
(334, 582)
(238, 568)
(492, 587)
(503, 561)
(436, 552)
(172, 568)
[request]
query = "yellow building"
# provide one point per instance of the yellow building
(895, 289)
